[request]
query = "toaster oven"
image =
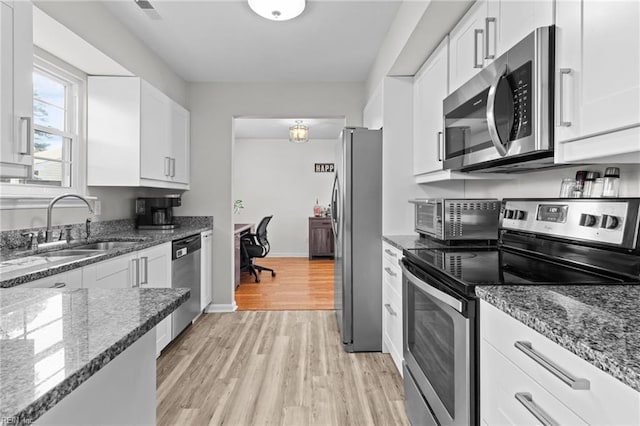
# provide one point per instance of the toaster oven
(457, 219)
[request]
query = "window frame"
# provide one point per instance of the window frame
(51, 65)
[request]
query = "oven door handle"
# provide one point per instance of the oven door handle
(432, 291)
(491, 115)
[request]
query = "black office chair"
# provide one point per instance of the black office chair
(256, 245)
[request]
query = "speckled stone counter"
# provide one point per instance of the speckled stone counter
(120, 231)
(600, 324)
(51, 341)
(403, 242)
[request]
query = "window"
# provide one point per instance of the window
(57, 141)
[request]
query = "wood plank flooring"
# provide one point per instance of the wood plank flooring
(299, 284)
(273, 367)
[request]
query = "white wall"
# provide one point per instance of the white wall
(277, 177)
(546, 183)
(213, 107)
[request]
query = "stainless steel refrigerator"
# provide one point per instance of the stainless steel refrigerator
(356, 213)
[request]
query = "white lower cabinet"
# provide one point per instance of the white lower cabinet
(206, 269)
(392, 338)
(520, 384)
(113, 273)
(69, 279)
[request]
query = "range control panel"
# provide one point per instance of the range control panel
(603, 221)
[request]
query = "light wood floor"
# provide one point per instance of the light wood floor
(287, 368)
(299, 284)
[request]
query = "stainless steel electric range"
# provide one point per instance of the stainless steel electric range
(541, 242)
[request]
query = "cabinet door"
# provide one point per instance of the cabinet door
(466, 45)
(430, 89)
(155, 152)
(69, 279)
(206, 273)
(180, 160)
(119, 272)
(320, 240)
(598, 73)
(510, 21)
(16, 86)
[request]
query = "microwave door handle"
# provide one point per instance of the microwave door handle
(491, 116)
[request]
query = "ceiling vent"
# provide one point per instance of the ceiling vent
(148, 9)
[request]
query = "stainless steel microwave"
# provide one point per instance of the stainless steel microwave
(502, 119)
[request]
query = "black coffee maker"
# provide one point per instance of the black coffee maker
(156, 213)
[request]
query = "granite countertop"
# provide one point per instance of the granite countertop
(52, 266)
(600, 324)
(404, 242)
(53, 340)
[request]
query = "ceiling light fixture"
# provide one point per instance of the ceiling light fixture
(299, 133)
(277, 10)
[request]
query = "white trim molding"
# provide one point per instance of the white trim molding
(221, 307)
(15, 202)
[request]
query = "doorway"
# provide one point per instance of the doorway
(274, 176)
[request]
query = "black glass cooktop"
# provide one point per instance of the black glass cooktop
(471, 266)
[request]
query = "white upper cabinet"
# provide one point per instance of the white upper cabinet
(489, 29)
(429, 90)
(137, 135)
(597, 81)
(466, 44)
(16, 87)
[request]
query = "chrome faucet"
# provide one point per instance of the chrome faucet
(49, 233)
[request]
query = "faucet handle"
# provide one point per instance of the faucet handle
(88, 227)
(33, 240)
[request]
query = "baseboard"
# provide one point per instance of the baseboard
(221, 307)
(274, 254)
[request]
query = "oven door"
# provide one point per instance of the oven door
(439, 353)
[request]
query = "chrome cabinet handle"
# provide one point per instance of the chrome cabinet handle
(136, 273)
(561, 120)
(439, 142)
(167, 165)
(475, 48)
(525, 399)
(145, 270)
(566, 377)
(172, 167)
(491, 116)
(390, 272)
(390, 309)
(390, 253)
(26, 141)
(59, 285)
(487, 21)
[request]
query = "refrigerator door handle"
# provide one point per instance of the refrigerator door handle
(334, 206)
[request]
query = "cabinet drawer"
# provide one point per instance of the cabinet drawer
(502, 383)
(607, 401)
(392, 320)
(392, 275)
(320, 222)
(391, 253)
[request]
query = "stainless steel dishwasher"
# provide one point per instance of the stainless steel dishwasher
(185, 273)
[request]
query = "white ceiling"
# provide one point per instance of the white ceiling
(278, 128)
(224, 40)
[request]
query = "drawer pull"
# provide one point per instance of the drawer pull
(58, 285)
(390, 253)
(572, 382)
(525, 399)
(390, 272)
(390, 309)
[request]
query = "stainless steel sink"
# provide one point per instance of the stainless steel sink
(107, 245)
(71, 252)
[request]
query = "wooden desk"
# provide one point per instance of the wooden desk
(238, 231)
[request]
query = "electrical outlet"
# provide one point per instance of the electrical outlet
(97, 207)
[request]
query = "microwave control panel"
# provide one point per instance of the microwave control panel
(521, 86)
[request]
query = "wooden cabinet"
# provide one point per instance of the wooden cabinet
(69, 279)
(526, 381)
(154, 271)
(597, 81)
(16, 86)
(392, 335)
(320, 237)
(489, 29)
(137, 136)
(429, 90)
(206, 271)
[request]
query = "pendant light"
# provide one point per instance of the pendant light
(277, 10)
(299, 133)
